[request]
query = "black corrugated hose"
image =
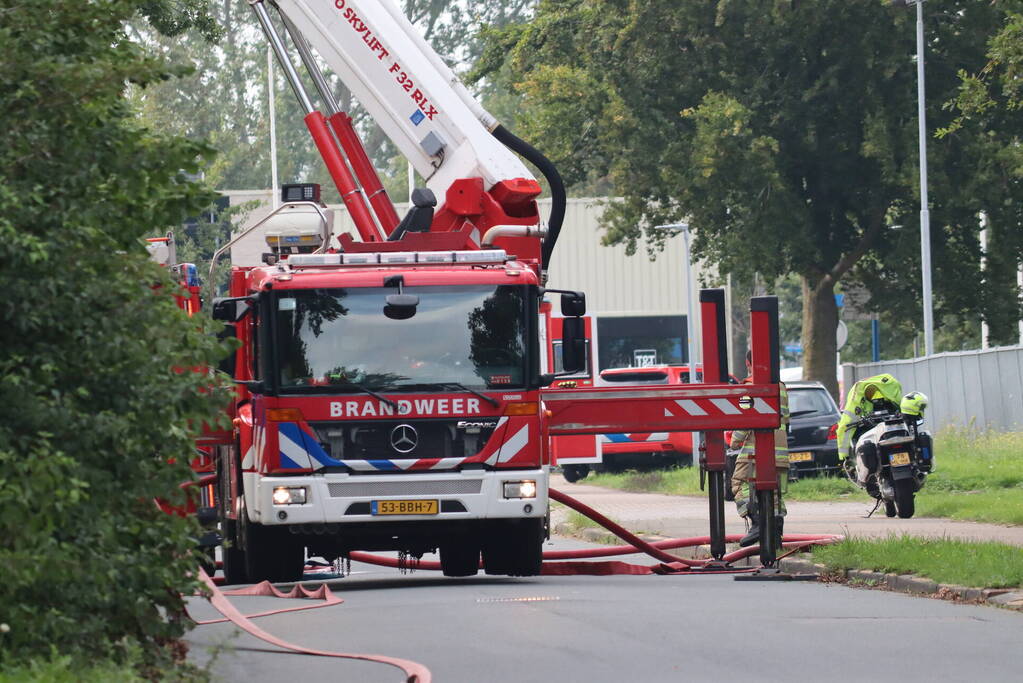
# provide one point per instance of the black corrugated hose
(554, 181)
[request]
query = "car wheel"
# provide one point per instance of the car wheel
(574, 473)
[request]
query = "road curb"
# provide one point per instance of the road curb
(899, 583)
(906, 583)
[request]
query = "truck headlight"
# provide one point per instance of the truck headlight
(520, 489)
(289, 495)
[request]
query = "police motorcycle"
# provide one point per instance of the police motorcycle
(893, 455)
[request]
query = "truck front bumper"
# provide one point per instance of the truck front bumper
(347, 498)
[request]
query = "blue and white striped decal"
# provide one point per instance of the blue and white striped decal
(301, 451)
(633, 438)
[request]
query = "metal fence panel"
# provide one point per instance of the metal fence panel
(982, 389)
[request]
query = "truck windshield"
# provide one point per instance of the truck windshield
(328, 339)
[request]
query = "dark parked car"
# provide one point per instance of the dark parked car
(813, 446)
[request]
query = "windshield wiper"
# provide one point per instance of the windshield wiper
(799, 413)
(460, 387)
(456, 385)
(374, 394)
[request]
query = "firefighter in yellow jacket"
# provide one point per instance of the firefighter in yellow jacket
(744, 476)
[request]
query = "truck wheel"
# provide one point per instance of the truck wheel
(904, 502)
(460, 558)
(273, 554)
(515, 549)
(574, 473)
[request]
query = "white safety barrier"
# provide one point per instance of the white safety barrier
(977, 389)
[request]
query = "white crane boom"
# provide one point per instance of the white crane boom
(408, 90)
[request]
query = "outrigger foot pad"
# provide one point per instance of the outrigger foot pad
(773, 574)
(713, 566)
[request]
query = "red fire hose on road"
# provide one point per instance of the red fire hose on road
(555, 564)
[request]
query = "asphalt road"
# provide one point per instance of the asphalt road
(619, 628)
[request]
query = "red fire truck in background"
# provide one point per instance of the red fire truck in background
(613, 452)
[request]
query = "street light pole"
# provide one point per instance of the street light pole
(925, 214)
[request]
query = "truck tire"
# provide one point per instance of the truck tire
(231, 552)
(460, 558)
(232, 555)
(273, 554)
(904, 502)
(574, 473)
(515, 549)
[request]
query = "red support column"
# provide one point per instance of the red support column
(766, 369)
(317, 125)
(715, 364)
(715, 370)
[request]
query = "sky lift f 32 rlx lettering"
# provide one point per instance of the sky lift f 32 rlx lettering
(392, 391)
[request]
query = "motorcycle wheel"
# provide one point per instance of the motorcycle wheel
(889, 508)
(904, 502)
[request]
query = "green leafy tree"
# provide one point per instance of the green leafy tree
(989, 104)
(784, 130)
(101, 408)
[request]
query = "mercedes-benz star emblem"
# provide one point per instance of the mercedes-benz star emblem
(404, 438)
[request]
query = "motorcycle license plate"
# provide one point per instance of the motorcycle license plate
(805, 456)
(404, 507)
(900, 459)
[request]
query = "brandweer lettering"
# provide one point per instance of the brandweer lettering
(420, 406)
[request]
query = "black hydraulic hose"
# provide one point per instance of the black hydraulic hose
(557, 185)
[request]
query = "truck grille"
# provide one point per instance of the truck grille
(448, 487)
(417, 439)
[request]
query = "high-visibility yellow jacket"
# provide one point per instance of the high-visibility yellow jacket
(859, 402)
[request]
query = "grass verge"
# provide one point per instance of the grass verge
(965, 563)
(66, 669)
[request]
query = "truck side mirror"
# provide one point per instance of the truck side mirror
(573, 304)
(573, 344)
(227, 309)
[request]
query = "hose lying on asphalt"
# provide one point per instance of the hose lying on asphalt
(670, 564)
(414, 672)
(557, 563)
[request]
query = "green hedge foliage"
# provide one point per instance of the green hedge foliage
(95, 420)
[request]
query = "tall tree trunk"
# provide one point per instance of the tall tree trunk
(820, 322)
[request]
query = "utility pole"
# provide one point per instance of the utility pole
(925, 214)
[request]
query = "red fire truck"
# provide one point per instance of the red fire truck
(613, 452)
(391, 390)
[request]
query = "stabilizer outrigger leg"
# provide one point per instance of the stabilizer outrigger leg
(715, 369)
(766, 370)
